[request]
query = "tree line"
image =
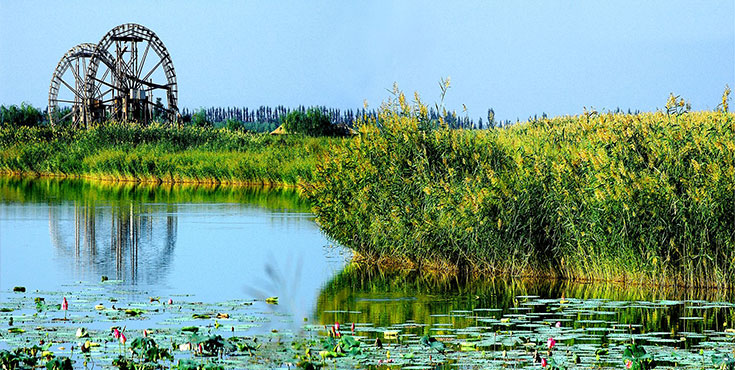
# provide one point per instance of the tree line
(261, 119)
(348, 117)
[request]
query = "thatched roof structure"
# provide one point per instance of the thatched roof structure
(279, 131)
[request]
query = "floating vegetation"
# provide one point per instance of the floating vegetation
(445, 325)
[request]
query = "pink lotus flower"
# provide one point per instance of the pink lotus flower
(543, 362)
(558, 324)
(64, 306)
(123, 339)
(170, 301)
(336, 326)
(628, 364)
(352, 327)
(551, 343)
(145, 333)
(116, 333)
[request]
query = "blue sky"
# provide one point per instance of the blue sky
(519, 58)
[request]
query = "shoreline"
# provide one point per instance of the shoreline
(441, 269)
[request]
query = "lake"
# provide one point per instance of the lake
(226, 249)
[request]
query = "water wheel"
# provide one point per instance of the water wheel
(68, 94)
(130, 76)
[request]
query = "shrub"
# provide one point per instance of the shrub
(199, 119)
(25, 115)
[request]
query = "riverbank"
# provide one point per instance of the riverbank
(161, 154)
(646, 198)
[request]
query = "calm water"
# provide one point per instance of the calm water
(228, 244)
(211, 244)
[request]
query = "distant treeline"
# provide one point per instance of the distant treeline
(266, 119)
(273, 116)
(259, 119)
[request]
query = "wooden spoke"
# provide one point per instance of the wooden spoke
(104, 82)
(66, 101)
(142, 62)
(71, 88)
(152, 70)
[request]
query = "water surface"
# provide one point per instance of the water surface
(212, 244)
(231, 248)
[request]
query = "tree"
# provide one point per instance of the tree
(234, 124)
(199, 119)
(25, 115)
(490, 118)
(312, 123)
(159, 114)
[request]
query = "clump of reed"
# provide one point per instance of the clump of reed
(599, 196)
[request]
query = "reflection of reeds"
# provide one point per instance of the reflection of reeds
(399, 296)
(44, 189)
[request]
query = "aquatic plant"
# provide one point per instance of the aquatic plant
(635, 357)
(64, 306)
(597, 196)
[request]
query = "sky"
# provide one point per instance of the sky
(520, 58)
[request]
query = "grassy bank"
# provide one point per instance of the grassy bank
(158, 153)
(596, 196)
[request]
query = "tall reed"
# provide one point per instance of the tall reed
(595, 196)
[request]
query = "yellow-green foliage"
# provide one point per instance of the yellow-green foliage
(127, 151)
(609, 196)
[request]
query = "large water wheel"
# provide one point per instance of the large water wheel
(127, 76)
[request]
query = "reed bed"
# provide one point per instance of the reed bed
(619, 197)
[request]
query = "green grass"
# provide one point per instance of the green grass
(159, 153)
(647, 197)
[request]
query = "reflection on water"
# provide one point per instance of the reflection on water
(115, 239)
(209, 242)
(220, 244)
(52, 191)
(420, 305)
